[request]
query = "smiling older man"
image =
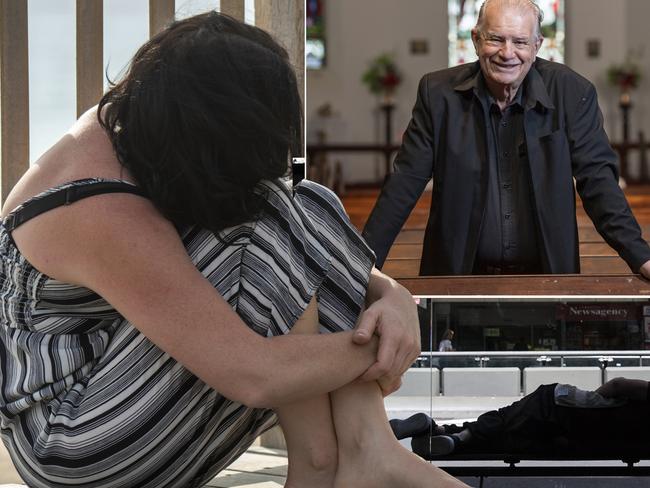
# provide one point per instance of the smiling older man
(503, 139)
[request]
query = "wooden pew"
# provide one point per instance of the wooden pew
(403, 260)
(400, 268)
(359, 203)
(413, 250)
(415, 235)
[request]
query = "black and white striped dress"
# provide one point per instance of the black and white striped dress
(88, 401)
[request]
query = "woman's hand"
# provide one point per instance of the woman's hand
(391, 315)
(389, 384)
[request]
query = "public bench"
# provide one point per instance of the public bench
(597, 464)
(592, 459)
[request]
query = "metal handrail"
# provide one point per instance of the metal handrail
(604, 358)
(586, 354)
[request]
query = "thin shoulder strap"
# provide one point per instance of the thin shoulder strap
(66, 196)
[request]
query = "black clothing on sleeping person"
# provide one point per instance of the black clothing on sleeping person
(536, 425)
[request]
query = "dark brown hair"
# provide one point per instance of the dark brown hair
(207, 109)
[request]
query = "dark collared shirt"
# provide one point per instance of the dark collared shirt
(508, 233)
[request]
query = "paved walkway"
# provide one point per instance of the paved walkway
(7, 472)
(259, 467)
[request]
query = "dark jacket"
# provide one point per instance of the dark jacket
(446, 140)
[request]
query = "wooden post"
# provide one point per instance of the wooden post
(90, 66)
(263, 14)
(234, 8)
(285, 21)
(14, 94)
(161, 13)
(643, 157)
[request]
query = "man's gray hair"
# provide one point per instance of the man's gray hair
(522, 4)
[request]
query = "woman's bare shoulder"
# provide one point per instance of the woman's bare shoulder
(70, 231)
(84, 151)
(60, 241)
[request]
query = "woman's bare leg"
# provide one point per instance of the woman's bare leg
(311, 443)
(308, 428)
(369, 453)
(349, 425)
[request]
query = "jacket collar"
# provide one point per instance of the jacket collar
(534, 91)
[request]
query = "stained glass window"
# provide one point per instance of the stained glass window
(462, 18)
(315, 43)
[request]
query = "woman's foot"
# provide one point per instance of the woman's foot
(388, 464)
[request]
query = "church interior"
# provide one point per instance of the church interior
(354, 128)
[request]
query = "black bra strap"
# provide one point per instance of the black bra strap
(65, 196)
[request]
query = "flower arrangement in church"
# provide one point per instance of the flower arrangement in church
(382, 76)
(626, 76)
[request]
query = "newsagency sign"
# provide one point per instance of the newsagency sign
(573, 312)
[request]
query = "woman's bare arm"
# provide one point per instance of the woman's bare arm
(119, 246)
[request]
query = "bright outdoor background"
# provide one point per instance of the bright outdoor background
(52, 85)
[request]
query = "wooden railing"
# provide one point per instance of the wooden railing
(538, 285)
(283, 18)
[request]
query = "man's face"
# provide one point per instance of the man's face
(507, 44)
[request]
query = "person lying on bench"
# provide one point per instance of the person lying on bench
(555, 418)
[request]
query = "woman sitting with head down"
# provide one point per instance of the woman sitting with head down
(163, 289)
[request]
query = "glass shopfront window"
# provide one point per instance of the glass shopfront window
(515, 325)
(505, 348)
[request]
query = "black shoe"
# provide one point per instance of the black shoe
(430, 447)
(441, 445)
(415, 425)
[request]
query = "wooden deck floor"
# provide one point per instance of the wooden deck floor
(403, 261)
